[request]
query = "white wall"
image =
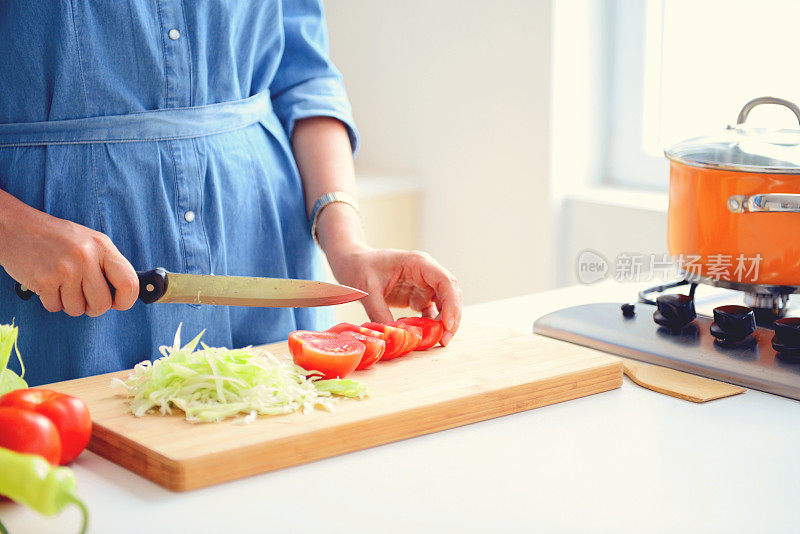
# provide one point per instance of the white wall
(590, 214)
(457, 93)
(610, 222)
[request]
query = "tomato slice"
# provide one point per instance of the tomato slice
(432, 330)
(334, 355)
(375, 348)
(69, 414)
(369, 355)
(396, 339)
(414, 337)
(349, 327)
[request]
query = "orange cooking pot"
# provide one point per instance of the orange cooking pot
(734, 205)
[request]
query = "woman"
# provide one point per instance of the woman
(194, 136)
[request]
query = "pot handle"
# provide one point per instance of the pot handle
(775, 202)
(766, 100)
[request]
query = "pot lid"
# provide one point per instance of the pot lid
(739, 148)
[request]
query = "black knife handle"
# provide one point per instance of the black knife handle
(23, 292)
(152, 286)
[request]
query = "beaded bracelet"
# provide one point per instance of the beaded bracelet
(326, 200)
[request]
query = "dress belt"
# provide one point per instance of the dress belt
(155, 125)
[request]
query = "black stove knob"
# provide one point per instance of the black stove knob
(674, 311)
(733, 324)
(787, 336)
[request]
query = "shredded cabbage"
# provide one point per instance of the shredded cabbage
(9, 381)
(212, 384)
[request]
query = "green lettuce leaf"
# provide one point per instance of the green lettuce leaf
(9, 380)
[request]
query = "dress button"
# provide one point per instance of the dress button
(174, 34)
(189, 216)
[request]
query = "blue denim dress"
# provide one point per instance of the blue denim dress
(127, 116)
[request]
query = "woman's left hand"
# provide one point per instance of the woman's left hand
(399, 278)
(402, 279)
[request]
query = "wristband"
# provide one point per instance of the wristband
(326, 200)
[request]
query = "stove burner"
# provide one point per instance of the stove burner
(733, 324)
(766, 301)
(767, 307)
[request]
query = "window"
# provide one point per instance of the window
(684, 68)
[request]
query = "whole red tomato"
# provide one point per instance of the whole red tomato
(30, 432)
(69, 414)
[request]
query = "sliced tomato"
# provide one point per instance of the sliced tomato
(348, 327)
(369, 355)
(396, 339)
(413, 339)
(432, 330)
(69, 414)
(375, 348)
(334, 355)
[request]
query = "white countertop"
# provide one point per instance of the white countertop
(628, 460)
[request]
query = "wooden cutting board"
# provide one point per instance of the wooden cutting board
(484, 373)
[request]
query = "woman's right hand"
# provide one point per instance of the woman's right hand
(68, 265)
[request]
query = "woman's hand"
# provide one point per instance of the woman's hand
(68, 265)
(401, 278)
(391, 277)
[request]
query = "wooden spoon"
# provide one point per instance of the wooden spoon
(676, 383)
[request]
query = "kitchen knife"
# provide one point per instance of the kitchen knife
(159, 285)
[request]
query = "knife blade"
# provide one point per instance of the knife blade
(159, 285)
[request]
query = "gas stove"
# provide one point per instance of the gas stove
(750, 338)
